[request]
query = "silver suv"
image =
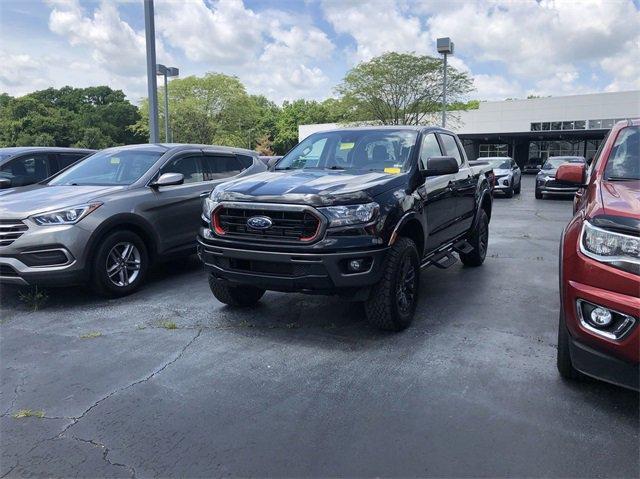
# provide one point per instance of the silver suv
(104, 220)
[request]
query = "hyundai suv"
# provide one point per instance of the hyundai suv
(104, 220)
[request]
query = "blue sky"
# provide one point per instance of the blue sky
(287, 49)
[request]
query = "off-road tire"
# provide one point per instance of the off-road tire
(100, 281)
(479, 240)
(235, 295)
(382, 309)
(538, 194)
(563, 359)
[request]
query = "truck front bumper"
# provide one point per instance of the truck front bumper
(327, 273)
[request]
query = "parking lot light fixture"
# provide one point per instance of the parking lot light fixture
(166, 72)
(444, 46)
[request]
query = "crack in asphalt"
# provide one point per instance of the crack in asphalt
(105, 454)
(15, 397)
(75, 420)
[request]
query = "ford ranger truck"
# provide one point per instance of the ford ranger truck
(353, 212)
(598, 332)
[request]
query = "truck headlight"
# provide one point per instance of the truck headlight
(610, 247)
(66, 216)
(350, 214)
(207, 208)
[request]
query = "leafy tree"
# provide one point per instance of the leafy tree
(401, 88)
(264, 146)
(93, 117)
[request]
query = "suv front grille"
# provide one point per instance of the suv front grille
(292, 225)
(11, 230)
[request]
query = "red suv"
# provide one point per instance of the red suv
(598, 334)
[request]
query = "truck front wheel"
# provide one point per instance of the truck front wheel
(479, 239)
(393, 300)
(234, 295)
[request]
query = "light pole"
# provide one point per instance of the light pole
(166, 72)
(152, 86)
(444, 46)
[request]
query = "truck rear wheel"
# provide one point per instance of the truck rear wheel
(234, 295)
(479, 239)
(393, 300)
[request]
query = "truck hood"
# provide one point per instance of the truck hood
(621, 198)
(310, 187)
(501, 172)
(23, 202)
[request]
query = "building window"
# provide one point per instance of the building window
(493, 149)
(546, 126)
(556, 125)
(536, 126)
(545, 149)
(567, 125)
(579, 125)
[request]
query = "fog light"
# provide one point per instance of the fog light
(601, 317)
(355, 265)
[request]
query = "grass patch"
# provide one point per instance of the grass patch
(91, 335)
(34, 298)
(28, 413)
(168, 325)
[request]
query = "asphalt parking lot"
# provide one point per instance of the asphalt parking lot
(302, 386)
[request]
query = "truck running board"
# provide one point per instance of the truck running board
(444, 258)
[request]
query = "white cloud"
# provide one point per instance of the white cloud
(378, 26)
(21, 73)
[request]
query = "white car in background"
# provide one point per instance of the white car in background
(508, 177)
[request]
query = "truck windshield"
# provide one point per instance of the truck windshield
(109, 167)
(386, 151)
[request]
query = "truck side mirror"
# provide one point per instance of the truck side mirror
(571, 173)
(440, 165)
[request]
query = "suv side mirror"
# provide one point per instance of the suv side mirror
(440, 165)
(571, 173)
(169, 179)
(5, 183)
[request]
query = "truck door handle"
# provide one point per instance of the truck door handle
(204, 193)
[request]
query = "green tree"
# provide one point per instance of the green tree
(94, 117)
(298, 112)
(402, 88)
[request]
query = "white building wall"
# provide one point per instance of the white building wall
(517, 115)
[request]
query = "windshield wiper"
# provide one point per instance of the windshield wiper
(622, 178)
(334, 167)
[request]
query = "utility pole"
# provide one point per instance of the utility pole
(152, 86)
(444, 46)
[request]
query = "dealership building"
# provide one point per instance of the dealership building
(533, 128)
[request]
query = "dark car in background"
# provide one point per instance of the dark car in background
(354, 212)
(532, 166)
(546, 182)
(598, 331)
(105, 219)
(26, 165)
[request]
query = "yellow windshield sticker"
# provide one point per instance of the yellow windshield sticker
(346, 146)
(115, 161)
(392, 171)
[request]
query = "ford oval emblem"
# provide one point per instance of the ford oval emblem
(259, 222)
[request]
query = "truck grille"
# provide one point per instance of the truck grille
(293, 225)
(11, 230)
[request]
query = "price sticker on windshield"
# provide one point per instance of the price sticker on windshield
(392, 171)
(346, 146)
(115, 161)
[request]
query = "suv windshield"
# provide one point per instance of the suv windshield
(500, 163)
(109, 167)
(366, 150)
(553, 163)
(624, 160)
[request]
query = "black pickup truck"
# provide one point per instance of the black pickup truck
(355, 212)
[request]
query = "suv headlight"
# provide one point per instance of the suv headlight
(609, 247)
(66, 216)
(350, 214)
(207, 208)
